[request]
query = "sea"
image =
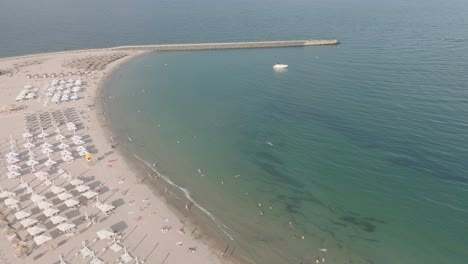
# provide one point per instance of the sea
(356, 153)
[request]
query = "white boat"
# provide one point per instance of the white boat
(280, 66)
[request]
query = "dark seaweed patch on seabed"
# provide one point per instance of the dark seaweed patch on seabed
(362, 223)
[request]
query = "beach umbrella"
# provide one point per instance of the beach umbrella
(57, 219)
(27, 135)
(32, 162)
(89, 194)
(67, 158)
(56, 189)
(29, 145)
(11, 155)
(76, 182)
(22, 251)
(64, 196)
(46, 145)
(36, 230)
(86, 252)
(50, 212)
(13, 167)
(41, 175)
(82, 188)
(13, 174)
(22, 214)
(42, 239)
(11, 201)
(65, 153)
(125, 257)
(23, 184)
(71, 202)
(12, 160)
(63, 146)
(81, 148)
(50, 162)
(6, 193)
(43, 205)
(59, 137)
(64, 227)
(78, 142)
(28, 222)
(47, 151)
(37, 198)
(115, 247)
(43, 134)
(105, 233)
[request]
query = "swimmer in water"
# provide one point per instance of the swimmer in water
(200, 172)
(269, 143)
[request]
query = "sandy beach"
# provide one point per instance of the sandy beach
(139, 226)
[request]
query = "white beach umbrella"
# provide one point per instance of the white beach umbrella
(11, 154)
(71, 202)
(115, 247)
(27, 135)
(57, 219)
(67, 158)
(105, 208)
(105, 233)
(13, 167)
(36, 230)
(76, 182)
(50, 212)
(28, 222)
(63, 146)
(22, 214)
(76, 137)
(13, 174)
(89, 194)
(50, 162)
(64, 196)
(6, 193)
(42, 239)
(64, 227)
(32, 162)
(81, 148)
(43, 134)
(29, 145)
(35, 198)
(78, 142)
(23, 184)
(65, 153)
(46, 145)
(60, 137)
(47, 151)
(43, 205)
(57, 189)
(11, 201)
(41, 175)
(83, 153)
(82, 188)
(12, 160)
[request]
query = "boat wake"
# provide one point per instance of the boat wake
(187, 195)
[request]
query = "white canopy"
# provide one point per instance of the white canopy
(58, 219)
(5, 194)
(28, 222)
(22, 214)
(64, 227)
(27, 135)
(44, 205)
(104, 207)
(71, 202)
(12, 160)
(56, 189)
(59, 137)
(105, 233)
(37, 198)
(11, 201)
(32, 162)
(29, 145)
(13, 174)
(50, 211)
(50, 162)
(90, 194)
(82, 188)
(76, 182)
(35, 230)
(13, 167)
(64, 196)
(42, 239)
(41, 175)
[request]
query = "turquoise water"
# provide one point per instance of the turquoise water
(369, 153)
(368, 159)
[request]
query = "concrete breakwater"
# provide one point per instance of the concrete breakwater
(232, 45)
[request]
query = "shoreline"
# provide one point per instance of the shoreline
(90, 108)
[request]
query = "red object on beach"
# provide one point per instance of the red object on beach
(114, 160)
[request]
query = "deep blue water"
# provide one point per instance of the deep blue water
(369, 153)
